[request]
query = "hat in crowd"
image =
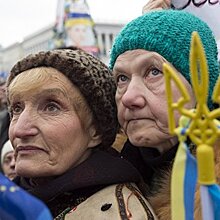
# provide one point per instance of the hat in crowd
(168, 32)
(7, 147)
(92, 77)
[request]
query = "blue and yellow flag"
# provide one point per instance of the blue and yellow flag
(17, 204)
(184, 178)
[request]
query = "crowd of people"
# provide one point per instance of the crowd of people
(92, 141)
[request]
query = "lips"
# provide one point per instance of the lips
(131, 122)
(130, 116)
(27, 149)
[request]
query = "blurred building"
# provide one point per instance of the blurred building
(40, 41)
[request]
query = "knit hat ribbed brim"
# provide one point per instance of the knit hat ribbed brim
(90, 75)
(168, 32)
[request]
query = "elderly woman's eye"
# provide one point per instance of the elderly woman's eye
(15, 109)
(6, 161)
(122, 78)
(52, 107)
(155, 72)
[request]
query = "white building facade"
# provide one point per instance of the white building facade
(40, 41)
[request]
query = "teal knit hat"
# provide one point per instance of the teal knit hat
(168, 32)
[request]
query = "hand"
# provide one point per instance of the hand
(156, 5)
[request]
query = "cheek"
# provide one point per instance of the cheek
(10, 132)
(4, 167)
(68, 146)
(117, 98)
(60, 136)
(120, 117)
(66, 133)
(177, 95)
(159, 108)
(120, 107)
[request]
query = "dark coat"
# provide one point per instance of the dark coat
(148, 161)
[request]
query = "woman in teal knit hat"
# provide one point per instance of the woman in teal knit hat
(137, 57)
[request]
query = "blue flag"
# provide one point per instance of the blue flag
(17, 204)
(214, 191)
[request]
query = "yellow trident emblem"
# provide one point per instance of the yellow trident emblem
(201, 124)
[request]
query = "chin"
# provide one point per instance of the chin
(146, 141)
(26, 169)
(140, 141)
(25, 173)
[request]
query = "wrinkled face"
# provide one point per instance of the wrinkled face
(47, 131)
(141, 98)
(8, 165)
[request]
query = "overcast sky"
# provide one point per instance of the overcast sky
(20, 18)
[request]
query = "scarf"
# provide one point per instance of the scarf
(101, 169)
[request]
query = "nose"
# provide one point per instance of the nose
(134, 97)
(24, 126)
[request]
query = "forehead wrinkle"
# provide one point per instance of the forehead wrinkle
(45, 92)
(146, 60)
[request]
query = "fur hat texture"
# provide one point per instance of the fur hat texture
(7, 147)
(168, 32)
(90, 75)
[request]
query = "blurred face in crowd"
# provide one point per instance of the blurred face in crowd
(141, 99)
(8, 165)
(3, 99)
(51, 126)
(77, 34)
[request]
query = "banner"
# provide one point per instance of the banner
(75, 26)
(207, 10)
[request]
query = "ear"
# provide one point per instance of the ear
(95, 138)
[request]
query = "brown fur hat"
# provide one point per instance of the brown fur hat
(90, 75)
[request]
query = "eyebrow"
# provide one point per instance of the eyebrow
(52, 93)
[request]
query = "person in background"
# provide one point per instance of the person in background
(63, 123)
(4, 116)
(4, 130)
(3, 102)
(8, 160)
(137, 57)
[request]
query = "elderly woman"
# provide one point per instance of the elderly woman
(137, 57)
(63, 121)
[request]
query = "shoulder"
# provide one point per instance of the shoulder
(119, 201)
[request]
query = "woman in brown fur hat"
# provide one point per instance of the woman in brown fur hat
(63, 121)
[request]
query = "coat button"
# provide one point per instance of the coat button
(106, 206)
